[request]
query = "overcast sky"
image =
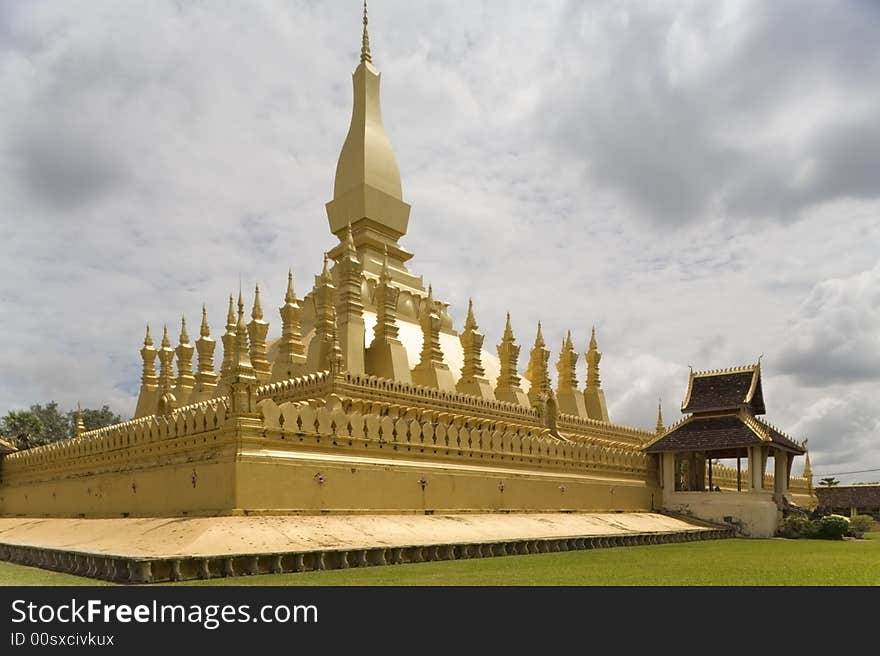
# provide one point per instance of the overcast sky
(700, 180)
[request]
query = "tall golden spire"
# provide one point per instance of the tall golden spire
(367, 192)
(365, 40)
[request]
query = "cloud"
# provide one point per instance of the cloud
(745, 109)
(836, 337)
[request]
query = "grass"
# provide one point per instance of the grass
(716, 562)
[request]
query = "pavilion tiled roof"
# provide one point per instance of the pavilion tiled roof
(725, 389)
(721, 431)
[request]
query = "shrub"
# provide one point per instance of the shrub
(830, 527)
(796, 526)
(859, 525)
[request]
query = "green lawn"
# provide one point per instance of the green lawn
(717, 562)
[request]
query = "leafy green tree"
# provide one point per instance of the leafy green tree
(55, 424)
(829, 481)
(23, 428)
(45, 424)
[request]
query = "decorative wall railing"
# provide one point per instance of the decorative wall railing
(448, 435)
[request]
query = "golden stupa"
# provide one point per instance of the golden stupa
(369, 401)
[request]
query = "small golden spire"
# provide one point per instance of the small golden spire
(206, 329)
(349, 241)
(365, 40)
(593, 344)
(230, 315)
(166, 343)
(567, 344)
(539, 338)
(184, 336)
(257, 311)
(290, 297)
(80, 424)
(148, 339)
(386, 274)
(660, 428)
(470, 323)
(240, 307)
(325, 272)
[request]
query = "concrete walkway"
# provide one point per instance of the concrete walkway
(155, 550)
(220, 536)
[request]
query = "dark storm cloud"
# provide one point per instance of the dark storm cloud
(687, 113)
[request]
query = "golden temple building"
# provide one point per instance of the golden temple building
(361, 396)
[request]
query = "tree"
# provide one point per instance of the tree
(23, 427)
(829, 481)
(45, 424)
(55, 424)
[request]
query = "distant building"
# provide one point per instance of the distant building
(858, 499)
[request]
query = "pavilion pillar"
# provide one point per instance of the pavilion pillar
(756, 468)
(780, 471)
(667, 467)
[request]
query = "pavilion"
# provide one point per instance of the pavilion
(722, 423)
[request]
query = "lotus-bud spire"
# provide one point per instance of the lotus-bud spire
(206, 379)
(365, 39)
(508, 387)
